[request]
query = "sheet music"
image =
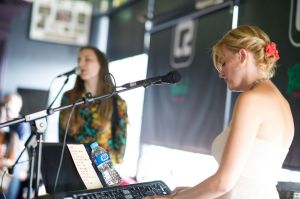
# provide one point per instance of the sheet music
(84, 166)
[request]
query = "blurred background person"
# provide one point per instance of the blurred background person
(12, 140)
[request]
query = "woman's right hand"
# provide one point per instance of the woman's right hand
(171, 196)
(177, 190)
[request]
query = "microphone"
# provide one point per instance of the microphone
(76, 71)
(170, 78)
(10, 170)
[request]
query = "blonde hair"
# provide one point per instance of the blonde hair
(251, 38)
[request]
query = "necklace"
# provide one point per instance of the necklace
(255, 83)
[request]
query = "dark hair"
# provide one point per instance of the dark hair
(104, 84)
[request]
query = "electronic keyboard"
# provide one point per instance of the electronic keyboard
(131, 191)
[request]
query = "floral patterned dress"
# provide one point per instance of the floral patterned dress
(90, 127)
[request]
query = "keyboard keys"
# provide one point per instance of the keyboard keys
(132, 191)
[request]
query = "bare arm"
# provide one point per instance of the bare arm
(244, 127)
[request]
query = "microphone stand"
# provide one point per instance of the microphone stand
(65, 82)
(39, 123)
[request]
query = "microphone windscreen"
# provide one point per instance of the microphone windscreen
(172, 77)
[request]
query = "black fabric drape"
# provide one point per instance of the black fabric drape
(190, 114)
(278, 18)
(126, 31)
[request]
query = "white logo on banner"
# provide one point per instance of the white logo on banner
(298, 16)
(294, 23)
(182, 50)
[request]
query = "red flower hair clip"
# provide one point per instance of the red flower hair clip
(271, 50)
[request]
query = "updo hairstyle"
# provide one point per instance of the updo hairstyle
(253, 39)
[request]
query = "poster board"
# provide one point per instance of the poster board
(66, 22)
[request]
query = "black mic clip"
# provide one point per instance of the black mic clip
(147, 83)
(88, 99)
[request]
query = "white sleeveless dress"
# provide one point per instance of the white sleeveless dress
(259, 177)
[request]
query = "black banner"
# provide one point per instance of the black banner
(279, 19)
(188, 115)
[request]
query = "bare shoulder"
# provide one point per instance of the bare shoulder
(269, 106)
(255, 102)
(252, 98)
(263, 95)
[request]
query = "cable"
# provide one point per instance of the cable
(11, 169)
(64, 144)
(109, 80)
